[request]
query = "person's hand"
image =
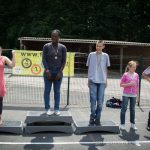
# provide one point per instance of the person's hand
(48, 75)
(106, 84)
(59, 75)
(13, 52)
(132, 83)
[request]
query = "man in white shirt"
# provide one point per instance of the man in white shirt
(97, 63)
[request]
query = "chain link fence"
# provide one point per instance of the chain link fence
(74, 90)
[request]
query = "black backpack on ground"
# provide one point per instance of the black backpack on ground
(113, 103)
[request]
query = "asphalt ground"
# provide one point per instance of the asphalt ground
(26, 94)
(125, 140)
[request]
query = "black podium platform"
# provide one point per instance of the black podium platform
(15, 127)
(38, 121)
(105, 126)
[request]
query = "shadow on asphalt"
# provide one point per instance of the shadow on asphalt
(46, 140)
(129, 136)
(92, 137)
(40, 139)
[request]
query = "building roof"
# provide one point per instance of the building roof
(85, 41)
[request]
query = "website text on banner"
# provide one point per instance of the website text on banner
(29, 63)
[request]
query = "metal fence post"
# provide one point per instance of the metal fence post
(121, 61)
(68, 88)
(140, 77)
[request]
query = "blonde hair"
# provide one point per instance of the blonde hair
(130, 64)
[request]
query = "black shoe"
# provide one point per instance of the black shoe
(91, 122)
(97, 122)
(148, 128)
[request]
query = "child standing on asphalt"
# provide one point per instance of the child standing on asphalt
(130, 84)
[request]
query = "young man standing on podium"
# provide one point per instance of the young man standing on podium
(97, 63)
(54, 60)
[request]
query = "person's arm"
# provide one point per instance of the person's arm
(10, 63)
(106, 76)
(63, 59)
(87, 64)
(44, 56)
(108, 65)
(132, 83)
(44, 61)
(124, 84)
(145, 76)
(64, 56)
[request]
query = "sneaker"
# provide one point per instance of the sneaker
(122, 126)
(57, 112)
(49, 112)
(133, 126)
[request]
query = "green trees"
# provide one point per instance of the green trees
(96, 19)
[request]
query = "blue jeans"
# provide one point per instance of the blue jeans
(96, 99)
(124, 106)
(47, 90)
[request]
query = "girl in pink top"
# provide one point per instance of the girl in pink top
(130, 84)
(4, 60)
